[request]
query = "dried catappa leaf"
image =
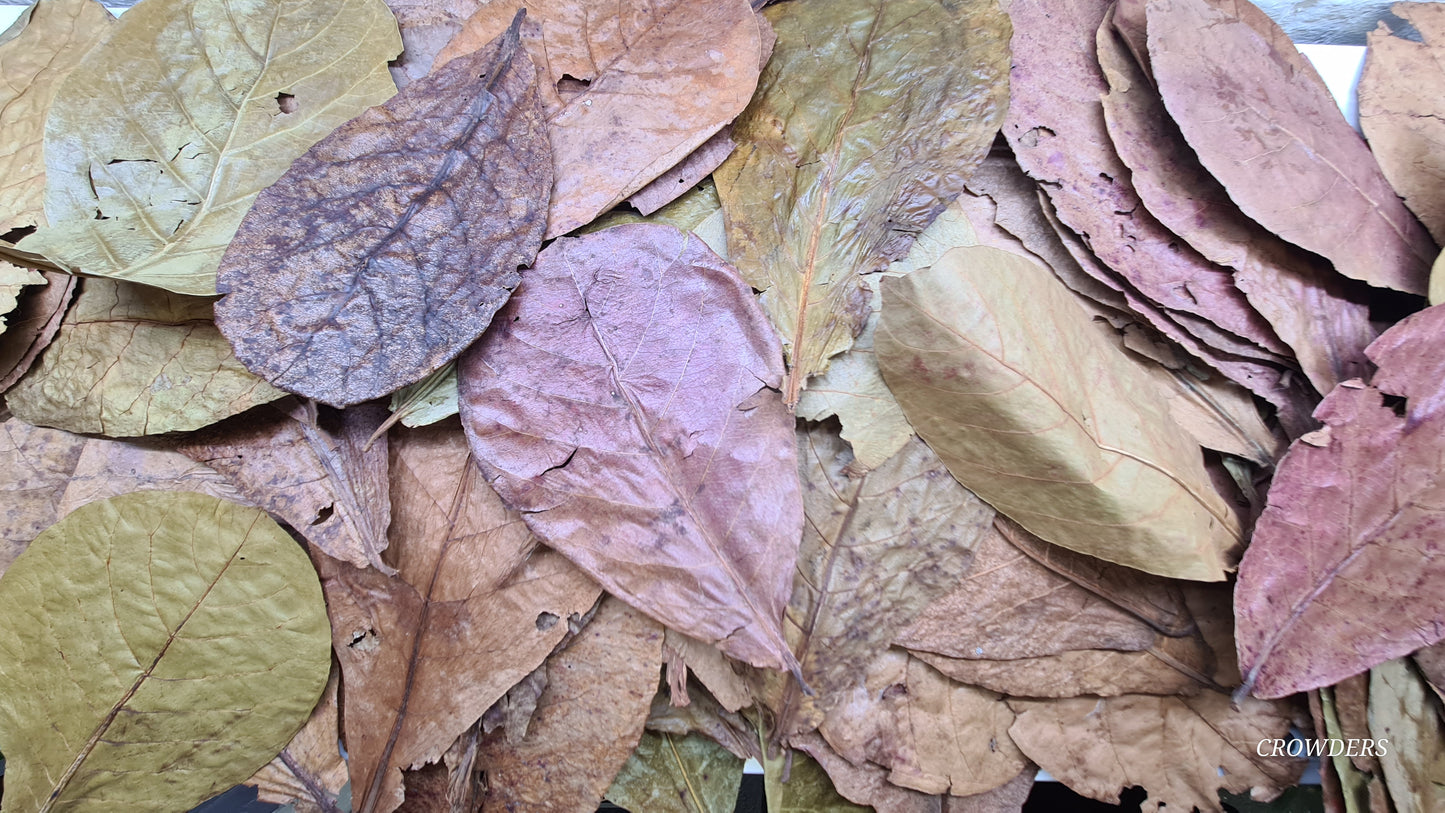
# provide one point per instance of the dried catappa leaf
(673, 774)
(903, 99)
(1262, 122)
(385, 249)
(131, 360)
(1404, 715)
(1344, 572)
(625, 401)
(309, 772)
(31, 326)
(161, 137)
(157, 648)
(1055, 428)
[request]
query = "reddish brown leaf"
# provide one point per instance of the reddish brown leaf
(313, 469)
(1346, 566)
(475, 606)
(589, 719)
(1309, 307)
(630, 89)
(385, 249)
(626, 401)
(1262, 122)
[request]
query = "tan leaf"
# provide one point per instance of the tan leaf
(630, 89)
(316, 469)
(13, 280)
(131, 360)
(1262, 122)
(30, 327)
(309, 772)
(589, 718)
(36, 53)
(1054, 428)
(1180, 749)
(711, 668)
(1404, 715)
(821, 192)
(474, 597)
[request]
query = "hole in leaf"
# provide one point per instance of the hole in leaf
(545, 621)
(569, 86)
(363, 640)
(287, 102)
(17, 234)
(1396, 403)
(324, 514)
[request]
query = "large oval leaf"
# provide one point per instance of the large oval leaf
(625, 401)
(161, 138)
(1051, 425)
(155, 648)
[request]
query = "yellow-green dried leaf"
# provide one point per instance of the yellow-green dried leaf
(671, 774)
(1403, 714)
(131, 360)
(428, 400)
(155, 648)
(866, 122)
(808, 789)
(999, 369)
(35, 54)
(162, 137)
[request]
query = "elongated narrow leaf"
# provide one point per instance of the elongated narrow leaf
(1261, 120)
(1052, 427)
(903, 98)
(384, 250)
(1345, 569)
(157, 648)
(474, 608)
(38, 51)
(672, 774)
(876, 550)
(1403, 715)
(631, 88)
(131, 360)
(625, 401)
(162, 137)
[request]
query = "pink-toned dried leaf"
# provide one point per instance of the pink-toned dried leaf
(33, 324)
(1346, 566)
(476, 605)
(630, 89)
(1262, 122)
(309, 773)
(589, 719)
(1325, 322)
(385, 250)
(688, 172)
(626, 401)
(865, 784)
(426, 27)
(711, 668)
(316, 469)
(1056, 129)
(1181, 750)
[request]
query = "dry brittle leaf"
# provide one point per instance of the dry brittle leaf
(131, 360)
(625, 400)
(316, 469)
(589, 718)
(309, 773)
(1344, 562)
(691, 171)
(1054, 428)
(161, 138)
(474, 596)
(14, 279)
(711, 668)
(359, 271)
(30, 327)
(1405, 715)
(903, 99)
(821, 781)
(678, 774)
(703, 715)
(158, 648)
(631, 89)
(426, 27)
(1262, 122)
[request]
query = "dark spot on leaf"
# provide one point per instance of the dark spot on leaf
(287, 103)
(324, 514)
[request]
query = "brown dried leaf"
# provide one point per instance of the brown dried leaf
(385, 250)
(589, 719)
(313, 469)
(1170, 666)
(711, 668)
(1262, 122)
(475, 606)
(132, 360)
(703, 715)
(30, 327)
(877, 548)
(688, 173)
(630, 89)
(1325, 322)
(1404, 714)
(933, 735)
(866, 784)
(1179, 749)
(1056, 129)
(903, 99)
(36, 53)
(625, 400)
(46, 473)
(309, 773)
(1344, 571)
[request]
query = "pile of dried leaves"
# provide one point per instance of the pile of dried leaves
(983, 387)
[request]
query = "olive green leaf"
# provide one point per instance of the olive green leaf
(131, 360)
(161, 138)
(808, 789)
(1001, 372)
(155, 649)
(672, 774)
(867, 120)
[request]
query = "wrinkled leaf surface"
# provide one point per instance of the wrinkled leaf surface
(672, 774)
